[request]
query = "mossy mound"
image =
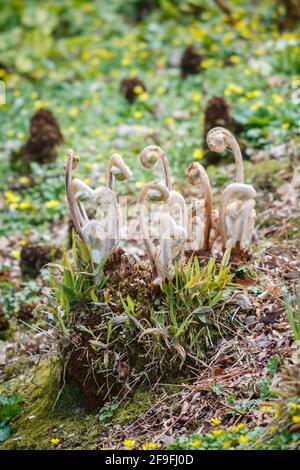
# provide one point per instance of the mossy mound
(190, 63)
(49, 411)
(36, 255)
(41, 146)
(217, 113)
(131, 87)
(136, 333)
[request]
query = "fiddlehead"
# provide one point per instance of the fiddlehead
(149, 157)
(218, 139)
(196, 174)
(161, 192)
(117, 169)
(237, 213)
(72, 162)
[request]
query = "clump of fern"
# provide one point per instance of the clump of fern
(73, 283)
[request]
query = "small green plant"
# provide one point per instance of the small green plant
(9, 408)
(106, 413)
(292, 309)
(77, 283)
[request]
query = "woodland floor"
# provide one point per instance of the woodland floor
(234, 381)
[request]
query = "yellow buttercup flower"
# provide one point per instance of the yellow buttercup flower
(243, 439)
(277, 98)
(129, 443)
(285, 125)
(198, 153)
(138, 89)
(16, 254)
(149, 446)
(144, 97)
(24, 205)
(296, 419)
(216, 421)
(196, 97)
(55, 441)
(34, 95)
(51, 204)
(217, 432)
(237, 427)
(226, 445)
(161, 90)
(195, 443)
(24, 180)
(169, 120)
(138, 114)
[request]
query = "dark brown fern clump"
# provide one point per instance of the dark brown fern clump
(35, 256)
(4, 323)
(41, 146)
(190, 61)
(25, 311)
(217, 113)
(130, 87)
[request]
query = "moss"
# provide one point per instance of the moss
(267, 174)
(38, 421)
(140, 402)
(36, 255)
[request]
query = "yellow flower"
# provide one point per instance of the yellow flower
(235, 59)
(55, 441)
(195, 443)
(17, 93)
(24, 180)
(285, 125)
(23, 242)
(253, 94)
(144, 97)
(87, 180)
(196, 97)
(243, 439)
(10, 133)
(149, 446)
(51, 204)
(24, 205)
(256, 106)
(105, 448)
(226, 444)
(138, 114)
(217, 432)
(169, 120)
(129, 443)
(198, 153)
(138, 89)
(74, 112)
(16, 254)
(161, 90)
(216, 421)
(277, 98)
(294, 406)
(205, 64)
(34, 95)
(266, 407)
(71, 129)
(296, 419)
(21, 135)
(237, 427)
(11, 196)
(140, 184)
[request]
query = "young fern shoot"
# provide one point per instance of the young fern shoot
(100, 235)
(117, 169)
(173, 234)
(200, 214)
(237, 213)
